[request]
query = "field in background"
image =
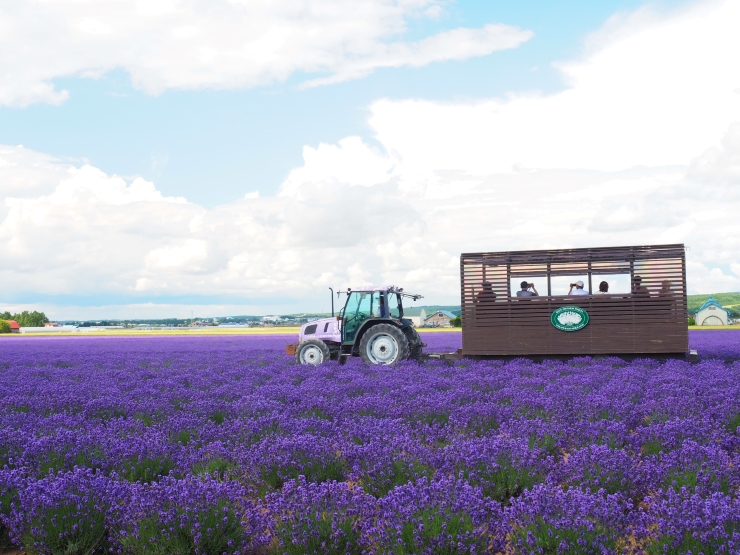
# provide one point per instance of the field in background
(707, 328)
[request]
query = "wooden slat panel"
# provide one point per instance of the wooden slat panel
(651, 320)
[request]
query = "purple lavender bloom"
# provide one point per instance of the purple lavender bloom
(64, 513)
(188, 516)
(442, 516)
(548, 519)
(686, 522)
(326, 518)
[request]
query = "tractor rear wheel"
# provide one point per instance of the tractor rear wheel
(384, 344)
(312, 351)
(416, 345)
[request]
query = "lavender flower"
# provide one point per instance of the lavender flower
(225, 445)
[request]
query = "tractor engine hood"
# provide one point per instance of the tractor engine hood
(326, 329)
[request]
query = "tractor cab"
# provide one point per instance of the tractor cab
(364, 305)
(370, 325)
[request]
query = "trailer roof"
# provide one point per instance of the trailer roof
(589, 254)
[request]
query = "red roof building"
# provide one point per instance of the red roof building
(14, 327)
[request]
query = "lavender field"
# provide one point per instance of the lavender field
(217, 445)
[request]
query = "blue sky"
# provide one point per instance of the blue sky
(176, 156)
(214, 146)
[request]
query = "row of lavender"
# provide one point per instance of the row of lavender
(223, 445)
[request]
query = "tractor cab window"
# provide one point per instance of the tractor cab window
(359, 307)
(395, 306)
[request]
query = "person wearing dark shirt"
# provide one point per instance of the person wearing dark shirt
(487, 294)
(665, 289)
(525, 291)
(638, 289)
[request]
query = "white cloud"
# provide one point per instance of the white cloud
(351, 162)
(457, 44)
(189, 254)
(222, 44)
(656, 96)
(446, 178)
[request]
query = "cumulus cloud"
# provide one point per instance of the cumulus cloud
(445, 178)
(24, 172)
(662, 92)
(176, 44)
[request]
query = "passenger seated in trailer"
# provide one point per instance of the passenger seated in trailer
(665, 289)
(603, 288)
(579, 290)
(668, 298)
(487, 294)
(525, 291)
(638, 289)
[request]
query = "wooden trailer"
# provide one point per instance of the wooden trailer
(644, 314)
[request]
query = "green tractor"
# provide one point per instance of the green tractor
(371, 325)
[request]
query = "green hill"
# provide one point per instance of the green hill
(727, 300)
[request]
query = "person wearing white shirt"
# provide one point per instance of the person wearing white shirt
(579, 290)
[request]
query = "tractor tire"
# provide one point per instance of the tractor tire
(416, 345)
(312, 351)
(384, 344)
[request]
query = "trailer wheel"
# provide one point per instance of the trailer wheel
(312, 351)
(384, 344)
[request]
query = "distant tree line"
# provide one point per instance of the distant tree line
(26, 319)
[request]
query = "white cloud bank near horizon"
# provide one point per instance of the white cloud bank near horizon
(221, 44)
(644, 147)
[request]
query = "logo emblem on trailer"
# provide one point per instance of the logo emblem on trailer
(569, 318)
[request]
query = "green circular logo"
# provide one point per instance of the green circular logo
(569, 318)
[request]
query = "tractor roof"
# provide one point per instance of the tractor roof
(389, 288)
(376, 288)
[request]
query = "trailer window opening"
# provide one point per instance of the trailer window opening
(561, 284)
(525, 287)
(616, 284)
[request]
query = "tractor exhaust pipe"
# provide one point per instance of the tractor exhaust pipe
(332, 301)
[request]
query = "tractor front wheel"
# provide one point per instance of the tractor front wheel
(312, 351)
(384, 344)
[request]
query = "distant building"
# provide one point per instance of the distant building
(712, 313)
(51, 325)
(439, 319)
(416, 315)
(14, 327)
